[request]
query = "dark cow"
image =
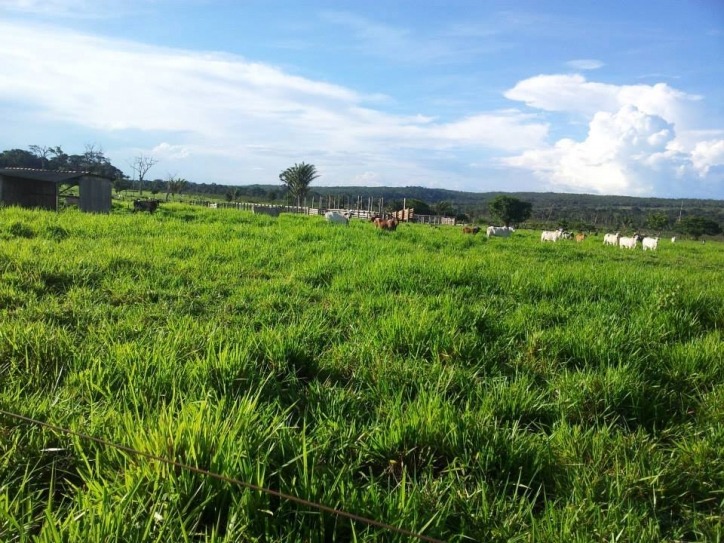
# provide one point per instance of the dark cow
(145, 205)
(471, 229)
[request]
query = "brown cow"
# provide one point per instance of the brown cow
(580, 237)
(471, 229)
(385, 224)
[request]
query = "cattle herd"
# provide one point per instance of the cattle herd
(390, 223)
(386, 223)
(647, 243)
(626, 242)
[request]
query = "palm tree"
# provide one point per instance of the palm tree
(297, 179)
(175, 186)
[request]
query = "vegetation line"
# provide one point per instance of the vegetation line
(201, 471)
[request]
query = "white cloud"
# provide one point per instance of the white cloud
(212, 116)
(707, 154)
(502, 130)
(627, 152)
(585, 64)
(632, 145)
(204, 105)
(167, 151)
(574, 94)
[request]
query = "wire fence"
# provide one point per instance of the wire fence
(281, 495)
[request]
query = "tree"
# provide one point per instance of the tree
(420, 207)
(120, 184)
(140, 165)
(19, 158)
(175, 185)
(510, 210)
(297, 179)
(42, 152)
(658, 221)
(443, 208)
(698, 226)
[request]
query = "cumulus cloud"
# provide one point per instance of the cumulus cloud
(632, 145)
(611, 157)
(707, 154)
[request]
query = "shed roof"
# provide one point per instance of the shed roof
(50, 176)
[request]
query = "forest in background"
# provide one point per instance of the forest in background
(575, 211)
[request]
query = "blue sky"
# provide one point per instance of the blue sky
(590, 97)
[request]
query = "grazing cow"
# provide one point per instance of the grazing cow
(551, 235)
(611, 239)
(566, 235)
(471, 229)
(580, 237)
(145, 205)
(650, 244)
(629, 243)
(335, 217)
(499, 231)
(385, 224)
(673, 240)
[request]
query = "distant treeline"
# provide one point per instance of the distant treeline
(574, 211)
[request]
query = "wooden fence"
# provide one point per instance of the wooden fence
(266, 209)
(404, 215)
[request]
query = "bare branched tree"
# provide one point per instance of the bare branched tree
(42, 152)
(140, 165)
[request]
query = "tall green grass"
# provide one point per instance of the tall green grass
(470, 389)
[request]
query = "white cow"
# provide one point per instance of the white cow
(337, 218)
(650, 243)
(551, 235)
(611, 239)
(673, 240)
(628, 243)
(499, 231)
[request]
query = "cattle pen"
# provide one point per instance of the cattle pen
(403, 215)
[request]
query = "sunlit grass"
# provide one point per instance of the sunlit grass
(473, 389)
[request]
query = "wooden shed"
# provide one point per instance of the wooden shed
(28, 187)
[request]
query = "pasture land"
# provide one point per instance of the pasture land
(471, 390)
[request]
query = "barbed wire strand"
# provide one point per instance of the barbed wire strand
(231, 480)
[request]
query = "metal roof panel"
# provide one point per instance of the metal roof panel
(50, 176)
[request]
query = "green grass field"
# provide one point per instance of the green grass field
(470, 390)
